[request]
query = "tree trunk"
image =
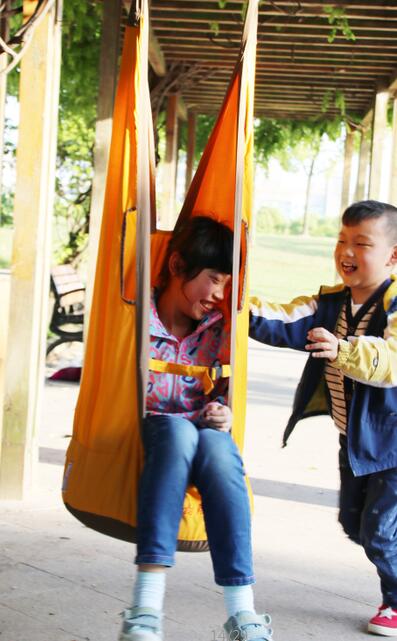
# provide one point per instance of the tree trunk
(305, 226)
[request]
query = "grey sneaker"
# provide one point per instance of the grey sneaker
(141, 624)
(247, 626)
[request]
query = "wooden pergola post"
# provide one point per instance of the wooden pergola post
(378, 136)
(3, 90)
(167, 213)
(36, 155)
(191, 147)
(347, 166)
(108, 68)
(363, 164)
(393, 167)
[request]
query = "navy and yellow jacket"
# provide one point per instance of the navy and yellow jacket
(370, 361)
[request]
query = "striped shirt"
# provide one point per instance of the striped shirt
(336, 381)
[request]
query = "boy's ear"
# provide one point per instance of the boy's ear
(393, 257)
(175, 264)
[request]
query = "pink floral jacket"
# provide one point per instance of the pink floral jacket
(183, 395)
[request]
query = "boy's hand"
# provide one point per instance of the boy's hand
(218, 416)
(325, 344)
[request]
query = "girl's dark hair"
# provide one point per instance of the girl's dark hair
(202, 243)
(367, 209)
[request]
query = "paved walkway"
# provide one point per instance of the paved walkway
(60, 581)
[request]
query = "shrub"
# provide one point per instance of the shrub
(269, 220)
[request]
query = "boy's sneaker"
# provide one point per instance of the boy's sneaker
(247, 626)
(385, 622)
(141, 624)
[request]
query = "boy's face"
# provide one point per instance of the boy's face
(364, 256)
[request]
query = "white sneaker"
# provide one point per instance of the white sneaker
(141, 624)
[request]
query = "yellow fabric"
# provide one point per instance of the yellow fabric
(105, 457)
(372, 359)
(207, 375)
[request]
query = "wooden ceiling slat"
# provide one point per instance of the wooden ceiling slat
(296, 65)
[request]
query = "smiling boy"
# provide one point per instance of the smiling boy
(351, 333)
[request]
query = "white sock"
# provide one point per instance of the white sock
(238, 598)
(149, 590)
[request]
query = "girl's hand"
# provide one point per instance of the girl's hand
(218, 416)
(325, 343)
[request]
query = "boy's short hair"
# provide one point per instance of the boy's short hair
(367, 209)
(202, 243)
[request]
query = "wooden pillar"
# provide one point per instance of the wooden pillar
(36, 155)
(363, 164)
(347, 166)
(108, 67)
(168, 214)
(191, 147)
(393, 168)
(378, 136)
(3, 89)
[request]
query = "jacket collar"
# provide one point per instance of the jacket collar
(376, 297)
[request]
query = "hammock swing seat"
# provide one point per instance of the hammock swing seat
(105, 456)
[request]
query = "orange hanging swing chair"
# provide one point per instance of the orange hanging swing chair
(105, 457)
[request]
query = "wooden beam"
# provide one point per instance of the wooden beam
(108, 67)
(393, 164)
(347, 165)
(378, 136)
(156, 55)
(363, 164)
(191, 145)
(182, 109)
(36, 154)
(167, 210)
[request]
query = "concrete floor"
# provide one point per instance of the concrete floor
(63, 582)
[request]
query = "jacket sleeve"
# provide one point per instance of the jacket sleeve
(283, 325)
(370, 359)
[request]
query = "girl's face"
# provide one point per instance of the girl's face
(202, 294)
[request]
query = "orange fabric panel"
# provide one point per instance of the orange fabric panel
(106, 450)
(105, 457)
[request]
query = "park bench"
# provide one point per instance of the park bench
(67, 316)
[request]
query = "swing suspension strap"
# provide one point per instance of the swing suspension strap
(207, 375)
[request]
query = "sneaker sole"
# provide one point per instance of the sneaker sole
(382, 630)
(140, 636)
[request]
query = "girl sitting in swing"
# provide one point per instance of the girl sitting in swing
(187, 440)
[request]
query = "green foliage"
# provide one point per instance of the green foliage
(337, 19)
(269, 220)
(7, 201)
(336, 98)
(81, 34)
(280, 137)
(214, 28)
(205, 125)
(71, 229)
(324, 227)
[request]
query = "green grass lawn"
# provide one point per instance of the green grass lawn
(5, 247)
(283, 267)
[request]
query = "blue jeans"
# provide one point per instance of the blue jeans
(368, 515)
(177, 453)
